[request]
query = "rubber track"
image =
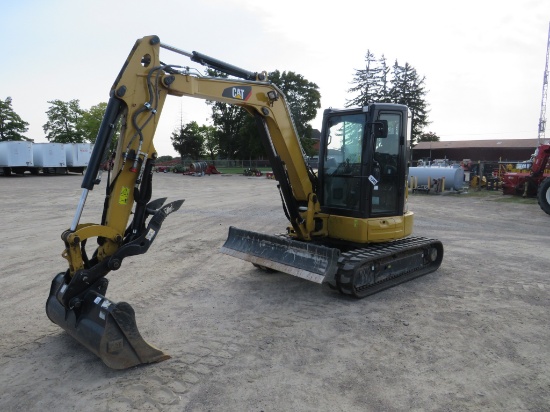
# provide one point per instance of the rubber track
(351, 261)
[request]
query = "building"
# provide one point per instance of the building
(509, 150)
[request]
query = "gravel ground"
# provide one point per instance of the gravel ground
(472, 336)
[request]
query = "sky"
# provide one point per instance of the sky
(483, 60)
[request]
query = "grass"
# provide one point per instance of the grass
(497, 196)
(239, 170)
(492, 196)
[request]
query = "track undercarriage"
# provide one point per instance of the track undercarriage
(368, 270)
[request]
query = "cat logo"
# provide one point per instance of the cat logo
(238, 93)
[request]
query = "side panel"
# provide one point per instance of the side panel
(49, 155)
(370, 230)
(78, 154)
(16, 154)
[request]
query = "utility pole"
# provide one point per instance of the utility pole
(542, 119)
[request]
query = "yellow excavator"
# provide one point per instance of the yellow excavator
(349, 224)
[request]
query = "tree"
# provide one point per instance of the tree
(228, 120)
(188, 140)
(63, 122)
(400, 84)
(165, 158)
(303, 98)
(249, 142)
(12, 126)
(211, 141)
(237, 131)
(90, 121)
(428, 137)
(408, 89)
(383, 81)
(367, 83)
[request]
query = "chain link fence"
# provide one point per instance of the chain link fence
(244, 164)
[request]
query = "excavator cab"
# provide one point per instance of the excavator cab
(363, 161)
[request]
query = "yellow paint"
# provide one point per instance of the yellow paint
(370, 230)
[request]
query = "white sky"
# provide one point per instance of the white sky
(483, 60)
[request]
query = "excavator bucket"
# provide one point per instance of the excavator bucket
(306, 260)
(106, 328)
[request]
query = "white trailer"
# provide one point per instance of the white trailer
(50, 157)
(78, 156)
(16, 156)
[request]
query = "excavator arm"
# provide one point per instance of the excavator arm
(137, 97)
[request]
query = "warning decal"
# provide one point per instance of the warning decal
(124, 195)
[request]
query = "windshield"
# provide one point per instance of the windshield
(342, 162)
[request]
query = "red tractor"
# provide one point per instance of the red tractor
(534, 183)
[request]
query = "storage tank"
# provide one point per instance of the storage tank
(78, 156)
(15, 156)
(50, 157)
(454, 176)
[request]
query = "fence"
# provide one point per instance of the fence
(244, 164)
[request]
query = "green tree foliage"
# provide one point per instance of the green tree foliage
(12, 126)
(237, 132)
(398, 84)
(367, 82)
(90, 121)
(408, 88)
(428, 137)
(303, 98)
(188, 140)
(63, 122)
(228, 120)
(249, 143)
(165, 158)
(211, 141)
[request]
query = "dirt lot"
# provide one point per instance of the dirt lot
(472, 336)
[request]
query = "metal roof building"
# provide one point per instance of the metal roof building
(512, 150)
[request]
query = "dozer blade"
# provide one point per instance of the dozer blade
(106, 328)
(305, 260)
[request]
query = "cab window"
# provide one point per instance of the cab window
(384, 198)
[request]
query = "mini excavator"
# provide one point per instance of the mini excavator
(349, 227)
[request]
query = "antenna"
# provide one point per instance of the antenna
(542, 119)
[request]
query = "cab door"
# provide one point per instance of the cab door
(341, 164)
(387, 168)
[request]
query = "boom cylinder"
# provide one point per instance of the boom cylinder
(106, 131)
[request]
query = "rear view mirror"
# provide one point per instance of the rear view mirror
(380, 129)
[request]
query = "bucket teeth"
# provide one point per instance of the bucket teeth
(122, 346)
